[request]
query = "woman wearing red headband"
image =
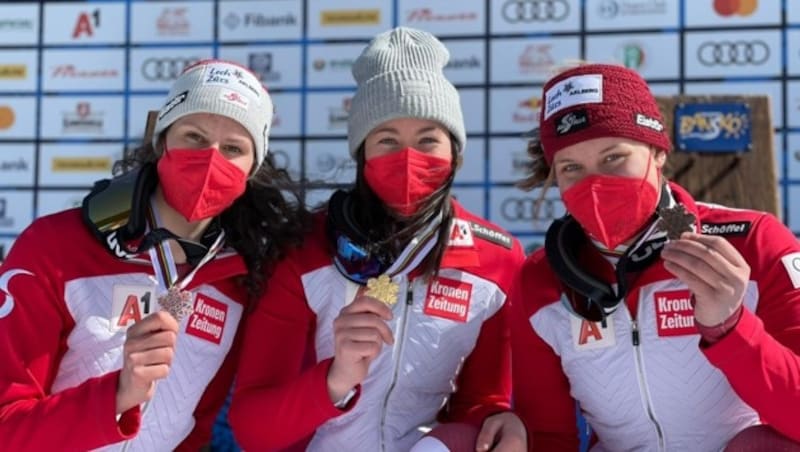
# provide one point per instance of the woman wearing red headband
(673, 324)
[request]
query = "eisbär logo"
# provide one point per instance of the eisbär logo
(449, 299)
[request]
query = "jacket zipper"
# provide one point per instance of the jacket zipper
(645, 393)
(399, 340)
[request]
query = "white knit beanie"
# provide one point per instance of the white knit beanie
(221, 88)
(400, 75)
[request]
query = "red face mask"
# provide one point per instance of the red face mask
(611, 209)
(403, 179)
(199, 183)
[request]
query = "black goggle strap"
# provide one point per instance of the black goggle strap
(162, 260)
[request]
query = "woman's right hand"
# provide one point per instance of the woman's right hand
(359, 333)
(147, 357)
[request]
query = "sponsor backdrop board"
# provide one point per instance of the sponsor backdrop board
(77, 78)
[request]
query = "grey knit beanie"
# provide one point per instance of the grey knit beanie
(400, 75)
(222, 88)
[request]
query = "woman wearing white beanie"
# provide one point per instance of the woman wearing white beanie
(392, 317)
(119, 321)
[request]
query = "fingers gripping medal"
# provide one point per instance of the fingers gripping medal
(383, 289)
(177, 302)
(675, 221)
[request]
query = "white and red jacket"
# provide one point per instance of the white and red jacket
(644, 382)
(450, 357)
(65, 304)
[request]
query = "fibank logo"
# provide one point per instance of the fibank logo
(258, 20)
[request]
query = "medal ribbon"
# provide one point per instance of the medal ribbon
(164, 263)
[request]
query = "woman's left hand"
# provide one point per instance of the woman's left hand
(502, 432)
(713, 269)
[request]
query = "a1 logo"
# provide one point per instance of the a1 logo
(129, 304)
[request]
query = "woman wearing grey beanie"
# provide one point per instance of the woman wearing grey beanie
(391, 320)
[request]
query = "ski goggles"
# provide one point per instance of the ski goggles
(353, 261)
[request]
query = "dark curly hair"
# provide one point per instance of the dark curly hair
(260, 225)
(391, 233)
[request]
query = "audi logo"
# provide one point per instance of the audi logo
(733, 53)
(523, 209)
(165, 69)
(526, 11)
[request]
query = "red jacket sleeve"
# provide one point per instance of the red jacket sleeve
(281, 393)
(34, 323)
(484, 383)
(761, 356)
(541, 389)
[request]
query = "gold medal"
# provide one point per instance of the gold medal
(383, 288)
(177, 302)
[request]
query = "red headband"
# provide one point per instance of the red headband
(598, 100)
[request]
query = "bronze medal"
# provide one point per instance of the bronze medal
(675, 221)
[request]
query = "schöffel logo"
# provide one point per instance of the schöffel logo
(733, 53)
(428, 15)
(736, 228)
(165, 69)
(346, 17)
(529, 11)
(13, 71)
(713, 127)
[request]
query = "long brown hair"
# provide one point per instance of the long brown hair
(386, 230)
(260, 225)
